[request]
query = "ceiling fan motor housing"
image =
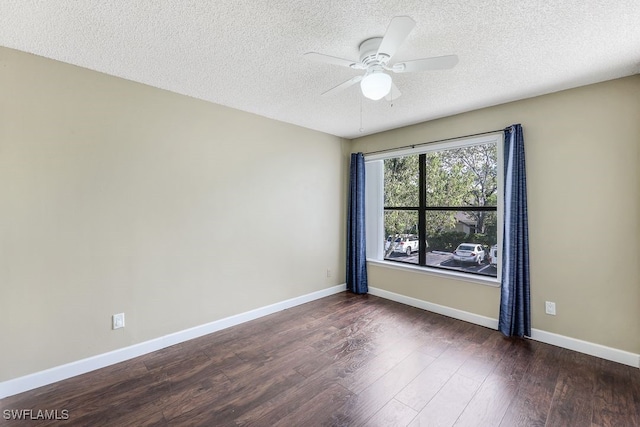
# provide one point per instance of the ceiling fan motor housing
(369, 52)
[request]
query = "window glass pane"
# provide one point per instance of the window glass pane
(459, 206)
(401, 182)
(473, 234)
(462, 176)
(401, 231)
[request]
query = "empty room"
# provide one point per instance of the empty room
(300, 213)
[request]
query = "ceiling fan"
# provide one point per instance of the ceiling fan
(375, 54)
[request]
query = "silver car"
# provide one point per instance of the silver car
(469, 252)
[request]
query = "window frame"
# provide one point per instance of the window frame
(374, 206)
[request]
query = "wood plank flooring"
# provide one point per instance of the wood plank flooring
(347, 360)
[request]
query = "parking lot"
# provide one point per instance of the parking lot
(445, 260)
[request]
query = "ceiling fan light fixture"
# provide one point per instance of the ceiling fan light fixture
(376, 85)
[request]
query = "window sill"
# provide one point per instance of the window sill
(482, 280)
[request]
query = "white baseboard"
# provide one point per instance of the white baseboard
(592, 349)
(586, 347)
(436, 308)
(59, 373)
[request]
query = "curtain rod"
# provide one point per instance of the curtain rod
(433, 142)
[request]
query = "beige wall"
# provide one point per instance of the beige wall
(118, 197)
(583, 162)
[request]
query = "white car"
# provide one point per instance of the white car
(406, 244)
(469, 252)
(493, 255)
(387, 243)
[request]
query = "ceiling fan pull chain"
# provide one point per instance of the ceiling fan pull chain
(361, 128)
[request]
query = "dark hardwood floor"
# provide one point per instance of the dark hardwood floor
(348, 360)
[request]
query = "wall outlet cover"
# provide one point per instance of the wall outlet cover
(550, 308)
(117, 321)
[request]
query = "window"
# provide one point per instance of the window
(437, 206)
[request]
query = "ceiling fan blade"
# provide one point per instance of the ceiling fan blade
(398, 30)
(425, 64)
(342, 86)
(319, 57)
(394, 93)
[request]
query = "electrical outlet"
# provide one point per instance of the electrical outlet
(117, 321)
(328, 272)
(550, 308)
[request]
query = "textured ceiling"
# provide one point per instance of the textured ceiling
(248, 54)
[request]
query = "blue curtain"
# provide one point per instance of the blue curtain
(356, 254)
(515, 305)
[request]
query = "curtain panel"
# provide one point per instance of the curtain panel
(515, 305)
(356, 243)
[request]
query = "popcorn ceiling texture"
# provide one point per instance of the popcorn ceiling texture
(247, 54)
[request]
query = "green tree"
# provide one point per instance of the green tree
(401, 181)
(446, 185)
(460, 177)
(401, 189)
(479, 164)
